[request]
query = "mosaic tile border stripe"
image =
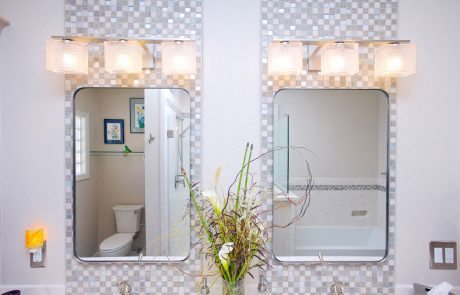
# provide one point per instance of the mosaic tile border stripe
(316, 20)
(132, 19)
(340, 187)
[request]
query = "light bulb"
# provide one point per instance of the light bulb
(395, 60)
(285, 58)
(340, 59)
(66, 56)
(178, 58)
(123, 57)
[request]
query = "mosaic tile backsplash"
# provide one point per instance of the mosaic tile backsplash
(316, 20)
(304, 19)
(132, 19)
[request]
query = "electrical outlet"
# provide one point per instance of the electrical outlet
(38, 259)
(37, 256)
(438, 256)
(449, 255)
(443, 255)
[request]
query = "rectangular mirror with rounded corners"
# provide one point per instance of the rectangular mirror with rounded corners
(346, 133)
(130, 196)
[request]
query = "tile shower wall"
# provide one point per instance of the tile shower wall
(131, 19)
(336, 19)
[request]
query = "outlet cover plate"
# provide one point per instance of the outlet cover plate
(443, 255)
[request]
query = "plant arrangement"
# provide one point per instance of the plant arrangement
(232, 232)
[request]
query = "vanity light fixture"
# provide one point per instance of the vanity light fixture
(66, 56)
(69, 55)
(178, 58)
(285, 58)
(36, 244)
(395, 60)
(123, 57)
(340, 59)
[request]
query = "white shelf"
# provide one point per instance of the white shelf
(3, 23)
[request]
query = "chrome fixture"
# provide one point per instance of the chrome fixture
(204, 289)
(182, 116)
(262, 286)
(337, 288)
(124, 288)
(69, 54)
(320, 257)
(140, 255)
(179, 179)
(151, 138)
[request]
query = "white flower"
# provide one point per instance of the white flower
(223, 254)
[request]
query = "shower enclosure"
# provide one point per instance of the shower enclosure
(347, 134)
(167, 143)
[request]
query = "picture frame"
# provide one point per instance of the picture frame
(114, 131)
(137, 115)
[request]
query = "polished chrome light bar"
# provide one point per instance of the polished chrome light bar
(326, 41)
(90, 39)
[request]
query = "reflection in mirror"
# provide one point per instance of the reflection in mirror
(347, 134)
(131, 201)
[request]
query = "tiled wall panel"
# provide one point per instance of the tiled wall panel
(131, 19)
(316, 20)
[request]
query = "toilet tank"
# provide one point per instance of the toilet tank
(128, 218)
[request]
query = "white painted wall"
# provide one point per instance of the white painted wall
(231, 85)
(32, 121)
(341, 128)
(1, 162)
(428, 161)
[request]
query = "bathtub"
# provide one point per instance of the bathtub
(352, 243)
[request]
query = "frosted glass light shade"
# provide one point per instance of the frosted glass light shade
(66, 56)
(178, 58)
(340, 59)
(122, 57)
(285, 58)
(395, 60)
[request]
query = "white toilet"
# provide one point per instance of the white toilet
(128, 220)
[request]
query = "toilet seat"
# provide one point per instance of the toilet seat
(116, 242)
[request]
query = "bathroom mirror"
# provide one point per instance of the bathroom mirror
(346, 133)
(130, 197)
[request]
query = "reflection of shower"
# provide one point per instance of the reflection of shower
(180, 117)
(281, 156)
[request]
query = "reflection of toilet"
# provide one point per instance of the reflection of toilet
(128, 220)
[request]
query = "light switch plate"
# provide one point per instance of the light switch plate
(443, 255)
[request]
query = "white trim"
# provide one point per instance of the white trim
(35, 289)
